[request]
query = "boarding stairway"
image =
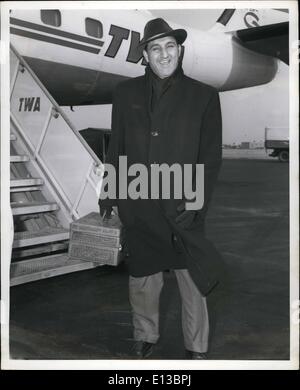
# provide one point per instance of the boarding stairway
(53, 179)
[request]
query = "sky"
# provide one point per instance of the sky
(245, 112)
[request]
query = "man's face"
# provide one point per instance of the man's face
(162, 55)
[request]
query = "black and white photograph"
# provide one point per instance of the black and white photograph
(149, 186)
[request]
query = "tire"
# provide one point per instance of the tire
(283, 156)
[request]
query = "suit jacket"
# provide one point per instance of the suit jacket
(186, 128)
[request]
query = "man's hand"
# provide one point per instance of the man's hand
(105, 212)
(186, 217)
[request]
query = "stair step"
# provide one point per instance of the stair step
(45, 267)
(42, 250)
(13, 137)
(21, 158)
(26, 182)
(43, 236)
(24, 208)
(24, 189)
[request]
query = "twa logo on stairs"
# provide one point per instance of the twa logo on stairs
(29, 104)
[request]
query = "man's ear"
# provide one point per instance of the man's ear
(145, 54)
(179, 50)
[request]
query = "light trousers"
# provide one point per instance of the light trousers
(144, 294)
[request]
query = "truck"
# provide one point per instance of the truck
(277, 139)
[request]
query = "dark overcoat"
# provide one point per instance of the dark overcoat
(186, 129)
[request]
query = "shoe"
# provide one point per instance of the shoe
(142, 349)
(195, 355)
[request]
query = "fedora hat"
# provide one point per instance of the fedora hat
(159, 28)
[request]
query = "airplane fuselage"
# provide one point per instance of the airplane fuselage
(87, 53)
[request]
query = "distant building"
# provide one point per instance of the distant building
(245, 145)
(251, 145)
(257, 145)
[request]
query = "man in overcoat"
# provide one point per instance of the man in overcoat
(165, 117)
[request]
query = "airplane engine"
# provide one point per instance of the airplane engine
(234, 66)
(249, 68)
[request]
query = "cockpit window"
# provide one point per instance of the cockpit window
(51, 16)
(93, 28)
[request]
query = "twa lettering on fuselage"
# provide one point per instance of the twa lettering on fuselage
(29, 104)
(79, 42)
(119, 34)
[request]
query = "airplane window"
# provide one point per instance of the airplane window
(51, 16)
(93, 28)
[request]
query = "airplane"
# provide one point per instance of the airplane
(81, 55)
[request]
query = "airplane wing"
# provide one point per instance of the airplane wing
(271, 40)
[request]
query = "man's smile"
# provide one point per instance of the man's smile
(165, 62)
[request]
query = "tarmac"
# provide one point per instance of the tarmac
(86, 315)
